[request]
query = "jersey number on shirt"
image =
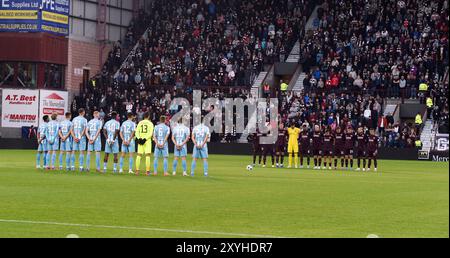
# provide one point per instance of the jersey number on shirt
(93, 128)
(51, 130)
(127, 129)
(144, 128)
(112, 127)
(160, 136)
(77, 125)
(200, 134)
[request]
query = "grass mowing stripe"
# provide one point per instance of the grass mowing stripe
(138, 228)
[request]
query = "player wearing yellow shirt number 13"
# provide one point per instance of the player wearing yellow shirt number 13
(144, 134)
(293, 133)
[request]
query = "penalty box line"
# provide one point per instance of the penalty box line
(137, 228)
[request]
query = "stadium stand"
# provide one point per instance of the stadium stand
(364, 52)
(204, 43)
(358, 55)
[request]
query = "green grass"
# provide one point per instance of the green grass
(404, 199)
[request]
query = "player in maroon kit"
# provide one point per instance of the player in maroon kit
(305, 145)
(280, 146)
(257, 151)
(339, 147)
(349, 145)
(317, 141)
(268, 149)
(327, 154)
(372, 149)
(361, 142)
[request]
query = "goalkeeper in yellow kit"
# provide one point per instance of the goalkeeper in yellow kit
(144, 134)
(293, 133)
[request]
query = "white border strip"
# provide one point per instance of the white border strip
(139, 228)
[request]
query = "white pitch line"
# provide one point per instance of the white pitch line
(137, 228)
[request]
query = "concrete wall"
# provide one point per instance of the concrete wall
(83, 54)
(409, 111)
(285, 68)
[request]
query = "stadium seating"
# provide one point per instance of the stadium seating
(359, 54)
(377, 47)
(383, 49)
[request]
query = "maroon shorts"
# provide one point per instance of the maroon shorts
(269, 148)
(360, 153)
(317, 152)
(372, 153)
(280, 148)
(349, 152)
(257, 149)
(305, 151)
(339, 152)
(327, 152)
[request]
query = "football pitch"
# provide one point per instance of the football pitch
(402, 199)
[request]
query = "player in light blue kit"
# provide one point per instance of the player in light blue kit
(79, 138)
(127, 135)
(180, 137)
(52, 140)
(94, 127)
(200, 137)
(111, 133)
(160, 137)
(42, 141)
(65, 134)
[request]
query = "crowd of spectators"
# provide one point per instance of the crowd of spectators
(382, 47)
(213, 42)
(218, 46)
(345, 109)
(360, 53)
(120, 49)
(440, 111)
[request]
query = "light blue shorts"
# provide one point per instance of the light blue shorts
(113, 148)
(180, 153)
(66, 145)
(200, 153)
(162, 153)
(53, 146)
(130, 148)
(96, 146)
(79, 146)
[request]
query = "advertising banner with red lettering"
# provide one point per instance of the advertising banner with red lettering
(19, 108)
(52, 101)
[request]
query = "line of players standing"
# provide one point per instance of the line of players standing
(324, 144)
(78, 135)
